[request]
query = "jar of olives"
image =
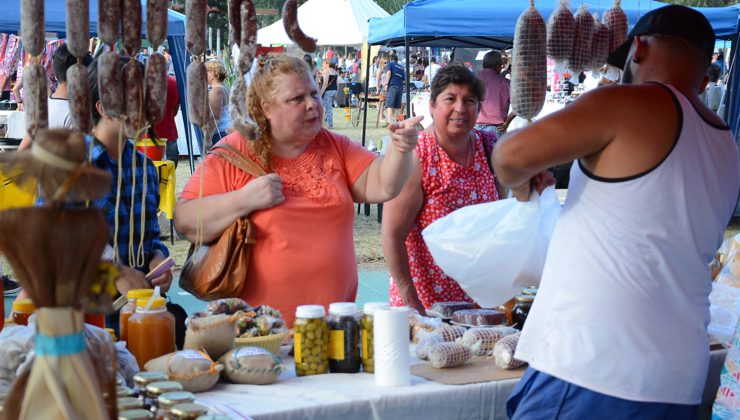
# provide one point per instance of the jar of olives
(311, 340)
(344, 338)
(521, 310)
(368, 357)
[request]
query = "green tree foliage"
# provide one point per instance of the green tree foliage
(702, 3)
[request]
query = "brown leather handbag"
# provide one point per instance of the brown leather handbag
(219, 269)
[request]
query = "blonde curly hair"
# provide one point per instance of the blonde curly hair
(263, 88)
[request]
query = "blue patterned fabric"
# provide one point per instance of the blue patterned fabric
(130, 177)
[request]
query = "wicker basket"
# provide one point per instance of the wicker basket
(270, 342)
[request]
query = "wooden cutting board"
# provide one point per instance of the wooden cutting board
(479, 369)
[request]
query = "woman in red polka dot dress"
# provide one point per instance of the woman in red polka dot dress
(451, 171)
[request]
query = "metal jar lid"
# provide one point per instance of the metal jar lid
(155, 389)
(188, 411)
(525, 299)
(142, 379)
(139, 414)
(124, 391)
(129, 403)
(170, 399)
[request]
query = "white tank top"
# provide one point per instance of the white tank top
(623, 304)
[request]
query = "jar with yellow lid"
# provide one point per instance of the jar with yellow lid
(139, 414)
(22, 310)
(141, 380)
(166, 401)
(367, 322)
(311, 340)
(129, 403)
(129, 308)
(155, 389)
(189, 411)
(521, 310)
(151, 330)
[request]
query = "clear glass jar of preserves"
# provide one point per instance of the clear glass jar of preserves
(166, 401)
(141, 380)
(311, 340)
(189, 411)
(151, 330)
(22, 310)
(155, 389)
(129, 308)
(521, 310)
(368, 357)
(344, 338)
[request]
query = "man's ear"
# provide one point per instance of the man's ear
(640, 50)
(100, 109)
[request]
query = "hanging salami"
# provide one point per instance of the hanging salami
(294, 31)
(529, 64)
(616, 20)
(580, 57)
(560, 33)
(600, 45)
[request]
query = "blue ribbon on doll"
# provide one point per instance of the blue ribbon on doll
(58, 346)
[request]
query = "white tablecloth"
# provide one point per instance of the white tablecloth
(355, 396)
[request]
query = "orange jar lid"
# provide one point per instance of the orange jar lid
(139, 293)
(158, 303)
(24, 305)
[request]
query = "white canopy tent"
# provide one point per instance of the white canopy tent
(332, 22)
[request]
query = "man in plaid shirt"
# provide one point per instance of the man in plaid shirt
(125, 220)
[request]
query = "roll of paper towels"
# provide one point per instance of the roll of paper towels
(391, 333)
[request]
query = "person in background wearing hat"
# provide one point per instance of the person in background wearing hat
(619, 326)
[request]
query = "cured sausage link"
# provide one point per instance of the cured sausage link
(290, 22)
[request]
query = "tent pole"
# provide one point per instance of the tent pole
(367, 83)
(408, 80)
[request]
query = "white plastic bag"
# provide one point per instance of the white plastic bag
(724, 311)
(494, 249)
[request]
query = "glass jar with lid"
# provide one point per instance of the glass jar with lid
(139, 414)
(530, 290)
(22, 310)
(189, 411)
(344, 338)
(367, 321)
(151, 330)
(141, 380)
(311, 340)
(129, 403)
(155, 389)
(521, 310)
(166, 401)
(129, 308)
(124, 391)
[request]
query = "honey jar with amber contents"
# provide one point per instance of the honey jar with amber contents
(151, 330)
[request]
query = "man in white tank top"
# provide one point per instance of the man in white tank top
(619, 326)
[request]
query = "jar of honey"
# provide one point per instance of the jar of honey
(151, 330)
(22, 310)
(521, 310)
(129, 308)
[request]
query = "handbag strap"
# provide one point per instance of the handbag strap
(235, 157)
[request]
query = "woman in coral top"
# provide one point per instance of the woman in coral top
(451, 171)
(303, 209)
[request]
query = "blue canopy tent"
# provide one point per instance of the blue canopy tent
(54, 16)
(488, 24)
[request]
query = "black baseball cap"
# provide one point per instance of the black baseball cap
(679, 21)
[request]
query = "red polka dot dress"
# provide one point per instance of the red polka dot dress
(447, 186)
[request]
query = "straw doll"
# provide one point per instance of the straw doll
(55, 253)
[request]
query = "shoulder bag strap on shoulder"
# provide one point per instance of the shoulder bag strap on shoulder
(235, 157)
